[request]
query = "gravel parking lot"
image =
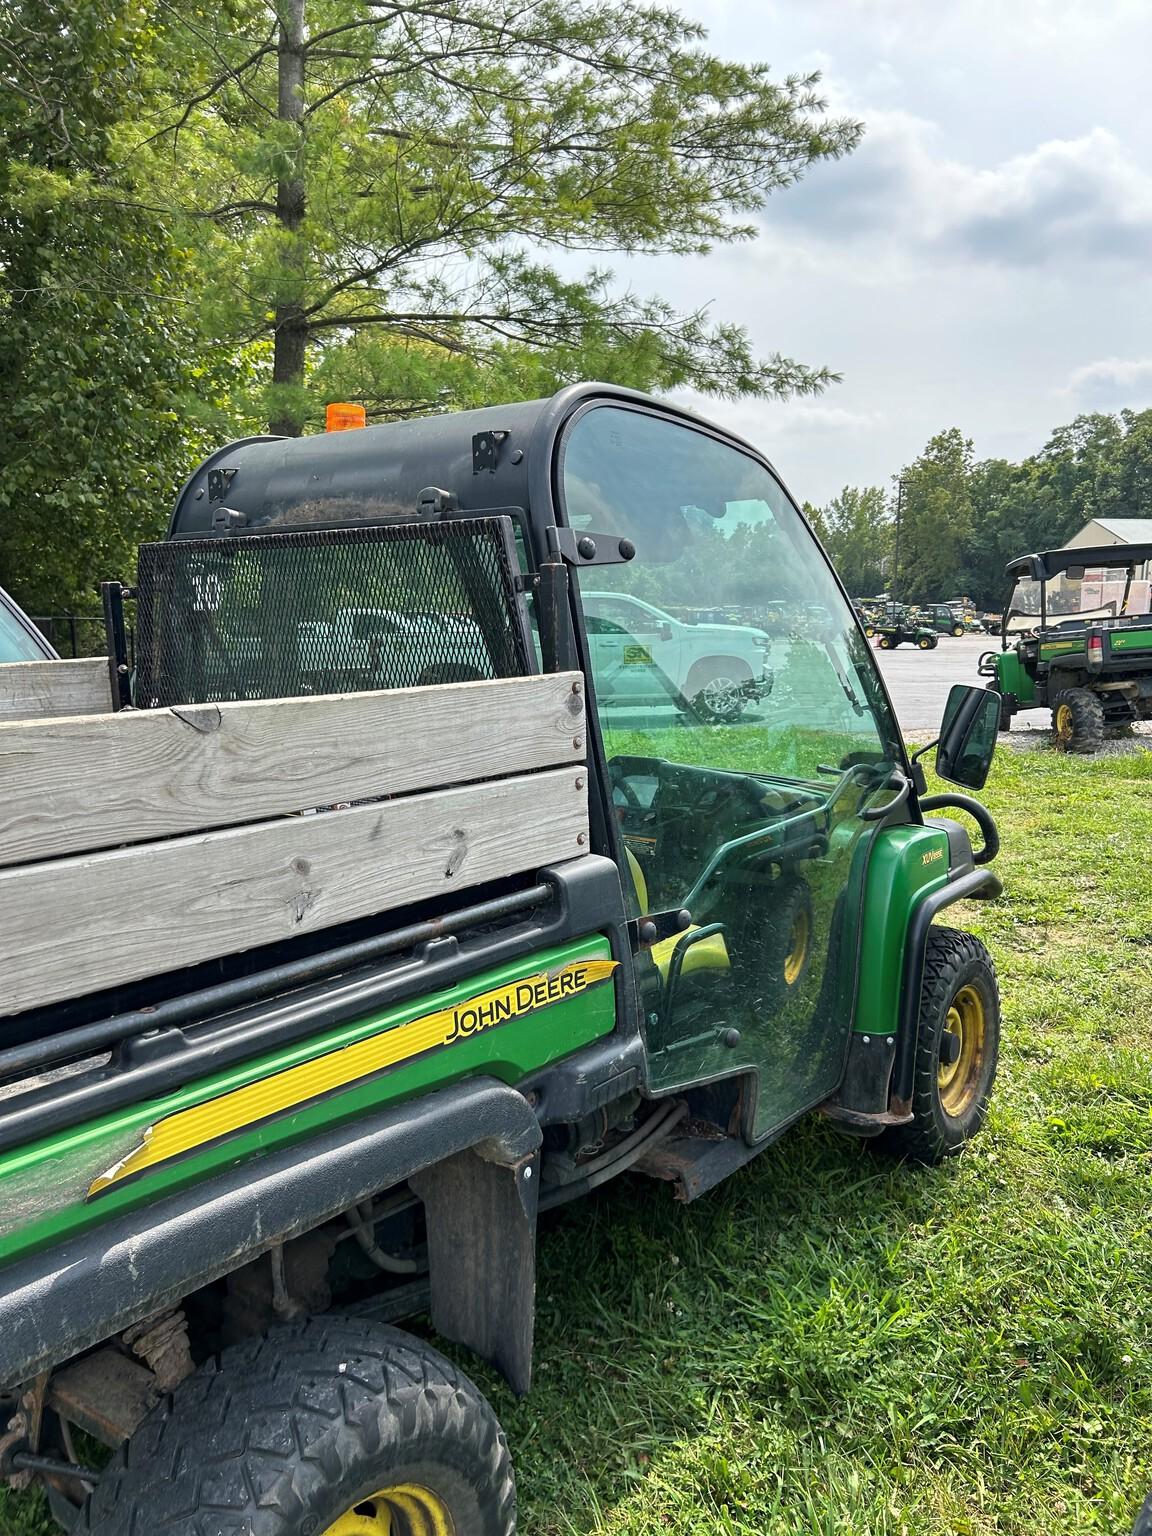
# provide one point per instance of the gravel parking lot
(919, 680)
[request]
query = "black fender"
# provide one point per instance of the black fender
(481, 1134)
(974, 884)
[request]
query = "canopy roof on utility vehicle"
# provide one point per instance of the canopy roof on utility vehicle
(1052, 562)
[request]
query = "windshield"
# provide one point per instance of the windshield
(16, 644)
(726, 641)
(1082, 594)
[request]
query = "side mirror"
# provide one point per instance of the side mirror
(664, 631)
(968, 735)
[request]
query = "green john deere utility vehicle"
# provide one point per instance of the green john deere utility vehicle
(941, 618)
(378, 901)
(905, 630)
(1076, 638)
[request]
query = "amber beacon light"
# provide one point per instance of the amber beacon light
(344, 418)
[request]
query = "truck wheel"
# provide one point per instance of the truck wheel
(869, 632)
(1078, 721)
(925, 643)
(884, 643)
(957, 1047)
(958, 630)
(713, 688)
(328, 1427)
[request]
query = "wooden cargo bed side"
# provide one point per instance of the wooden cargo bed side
(93, 916)
(37, 690)
(80, 924)
(74, 785)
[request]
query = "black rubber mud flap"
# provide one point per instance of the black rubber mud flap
(481, 1217)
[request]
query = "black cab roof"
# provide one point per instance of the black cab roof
(485, 460)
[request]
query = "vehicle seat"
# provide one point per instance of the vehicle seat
(710, 954)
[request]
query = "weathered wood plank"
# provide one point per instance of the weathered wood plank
(97, 920)
(37, 690)
(71, 786)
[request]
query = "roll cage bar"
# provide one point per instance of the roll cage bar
(1053, 562)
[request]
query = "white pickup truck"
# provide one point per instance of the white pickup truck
(359, 646)
(648, 657)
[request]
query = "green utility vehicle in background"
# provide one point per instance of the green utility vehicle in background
(311, 1003)
(940, 618)
(1076, 638)
(905, 631)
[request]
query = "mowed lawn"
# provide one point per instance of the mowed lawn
(834, 1343)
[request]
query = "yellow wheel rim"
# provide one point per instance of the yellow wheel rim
(406, 1509)
(1064, 723)
(797, 948)
(959, 1081)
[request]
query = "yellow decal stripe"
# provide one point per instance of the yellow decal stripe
(243, 1107)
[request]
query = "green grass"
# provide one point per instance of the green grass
(830, 1343)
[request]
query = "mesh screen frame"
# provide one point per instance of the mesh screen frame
(337, 610)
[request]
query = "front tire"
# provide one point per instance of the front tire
(957, 1048)
(925, 644)
(714, 689)
(958, 631)
(884, 644)
(1078, 721)
(329, 1427)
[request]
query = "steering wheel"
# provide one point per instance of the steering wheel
(620, 783)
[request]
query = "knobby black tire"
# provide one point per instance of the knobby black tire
(1087, 719)
(282, 1435)
(952, 960)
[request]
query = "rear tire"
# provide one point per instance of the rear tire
(884, 643)
(960, 999)
(1078, 721)
(324, 1426)
(925, 644)
(958, 631)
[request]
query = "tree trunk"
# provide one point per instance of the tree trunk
(291, 333)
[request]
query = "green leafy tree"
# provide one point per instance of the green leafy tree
(374, 187)
(1124, 477)
(936, 519)
(857, 533)
(95, 365)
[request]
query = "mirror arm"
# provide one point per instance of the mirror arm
(916, 756)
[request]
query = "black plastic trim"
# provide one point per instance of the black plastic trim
(980, 884)
(58, 1303)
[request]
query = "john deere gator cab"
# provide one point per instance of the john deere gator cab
(1076, 639)
(369, 908)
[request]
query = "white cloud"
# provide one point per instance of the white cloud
(1064, 203)
(805, 416)
(1112, 382)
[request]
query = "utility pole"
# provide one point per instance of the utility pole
(896, 550)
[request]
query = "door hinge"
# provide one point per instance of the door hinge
(590, 548)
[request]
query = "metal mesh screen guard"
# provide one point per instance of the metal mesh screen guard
(346, 610)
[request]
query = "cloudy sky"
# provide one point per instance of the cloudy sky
(984, 260)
